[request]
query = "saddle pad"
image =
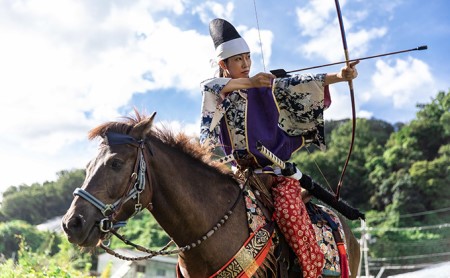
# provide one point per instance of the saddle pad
(327, 243)
(255, 216)
(250, 257)
(323, 231)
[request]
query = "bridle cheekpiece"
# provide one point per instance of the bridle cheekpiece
(135, 188)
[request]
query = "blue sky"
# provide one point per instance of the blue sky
(67, 66)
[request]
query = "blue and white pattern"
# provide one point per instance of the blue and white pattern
(298, 104)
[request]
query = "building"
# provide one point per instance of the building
(156, 267)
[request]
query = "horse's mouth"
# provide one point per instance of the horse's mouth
(94, 237)
(90, 239)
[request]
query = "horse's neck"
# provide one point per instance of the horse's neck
(189, 198)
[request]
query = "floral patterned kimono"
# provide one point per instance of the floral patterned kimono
(283, 119)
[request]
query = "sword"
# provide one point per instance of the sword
(318, 191)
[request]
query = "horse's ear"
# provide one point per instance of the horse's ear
(143, 128)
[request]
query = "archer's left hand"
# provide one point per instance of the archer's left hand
(349, 72)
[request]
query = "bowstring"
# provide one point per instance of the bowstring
(320, 170)
(264, 66)
(259, 35)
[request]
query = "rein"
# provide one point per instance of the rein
(163, 251)
(136, 186)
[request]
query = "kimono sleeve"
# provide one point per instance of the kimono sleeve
(211, 111)
(300, 100)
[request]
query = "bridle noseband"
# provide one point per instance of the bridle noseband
(135, 187)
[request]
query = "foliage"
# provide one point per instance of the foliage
(37, 203)
(143, 230)
(395, 172)
(106, 273)
(417, 152)
(325, 167)
(40, 264)
(13, 231)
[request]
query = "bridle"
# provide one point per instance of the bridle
(136, 186)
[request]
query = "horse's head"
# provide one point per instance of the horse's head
(117, 184)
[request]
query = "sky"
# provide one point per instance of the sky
(67, 66)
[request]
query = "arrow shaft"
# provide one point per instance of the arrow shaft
(361, 59)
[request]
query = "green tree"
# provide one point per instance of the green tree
(31, 263)
(37, 203)
(408, 150)
(326, 167)
(143, 230)
(11, 233)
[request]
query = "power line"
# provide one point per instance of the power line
(427, 212)
(421, 228)
(410, 257)
(414, 243)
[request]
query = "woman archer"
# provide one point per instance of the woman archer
(282, 114)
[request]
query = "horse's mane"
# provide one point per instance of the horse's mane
(180, 141)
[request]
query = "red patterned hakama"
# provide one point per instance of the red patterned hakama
(292, 218)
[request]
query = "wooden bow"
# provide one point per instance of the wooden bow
(352, 96)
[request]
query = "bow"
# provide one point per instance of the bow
(352, 96)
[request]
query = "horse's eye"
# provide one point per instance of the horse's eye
(116, 164)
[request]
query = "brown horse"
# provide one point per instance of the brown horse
(176, 181)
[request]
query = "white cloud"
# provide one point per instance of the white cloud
(319, 25)
(314, 17)
(68, 66)
(359, 41)
(190, 129)
(174, 57)
(209, 10)
(252, 37)
(341, 107)
(397, 85)
(405, 82)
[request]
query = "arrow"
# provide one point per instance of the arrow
(282, 73)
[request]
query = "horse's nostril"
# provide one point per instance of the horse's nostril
(73, 224)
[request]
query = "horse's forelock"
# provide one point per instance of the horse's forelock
(124, 126)
(101, 130)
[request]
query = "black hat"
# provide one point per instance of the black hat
(227, 40)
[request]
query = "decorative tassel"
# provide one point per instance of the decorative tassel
(345, 272)
(344, 260)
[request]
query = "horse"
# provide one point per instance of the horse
(195, 200)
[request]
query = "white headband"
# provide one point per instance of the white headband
(231, 48)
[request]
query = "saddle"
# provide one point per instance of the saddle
(326, 224)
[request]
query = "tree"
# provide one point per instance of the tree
(37, 203)
(143, 230)
(10, 232)
(370, 136)
(410, 149)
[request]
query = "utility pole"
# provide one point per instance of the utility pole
(364, 250)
